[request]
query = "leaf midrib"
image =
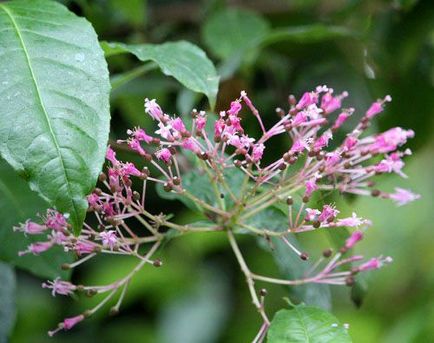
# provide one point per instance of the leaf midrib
(17, 30)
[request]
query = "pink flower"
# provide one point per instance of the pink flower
(328, 213)
(69, 323)
(109, 238)
(140, 135)
(200, 121)
(59, 287)
(235, 108)
(111, 156)
(403, 196)
(377, 107)
(130, 169)
(374, 263)
(312, 214)
(342, 118)
(165, 131)
(219, 126)
(153, 109)
(392, 163)
(298, 146)
(164, 155)
(55, 220)
(31, 228)
(323, 140)
(330, 103)
(84, 247)
(257, 152)
(352, 221)
(350, 142)
(332, 158)
(36, 248)
(300, 118)
(353, 239)
(93, 200)
(135, 145)
(307, 99)
(390, 140)
(190, 144)
(178, 125)
(310, 187)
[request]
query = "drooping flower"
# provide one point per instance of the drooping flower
(59, 286)
(403, 196)
(153, 109)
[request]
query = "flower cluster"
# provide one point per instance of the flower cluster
(312, 163)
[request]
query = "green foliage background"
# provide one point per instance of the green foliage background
(369, 48)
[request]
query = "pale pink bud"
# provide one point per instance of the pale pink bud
(403, 196)
(164, 155)
(353, 239)
(377, 107)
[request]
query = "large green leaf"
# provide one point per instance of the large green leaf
(290, 265)
(18, 203)
(54, 100)
(7, 301)
(184, 61)
(232, 30)
(304, 324)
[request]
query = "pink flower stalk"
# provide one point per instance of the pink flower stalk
(109, 239)
(309, 164)
(164, 155)
(403, 196)
(59, 286)
(377, 107)
(153, 109)
(353, 239)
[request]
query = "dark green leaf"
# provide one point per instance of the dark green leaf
(289, 263)
(18, 203)
(306, 34)
(184, 61)
(7, 301)
(54, 120)
(232, 30)
(206, 305)
(198, 184)
(304, 324)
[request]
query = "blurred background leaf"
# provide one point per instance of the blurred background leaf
(7, 301)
